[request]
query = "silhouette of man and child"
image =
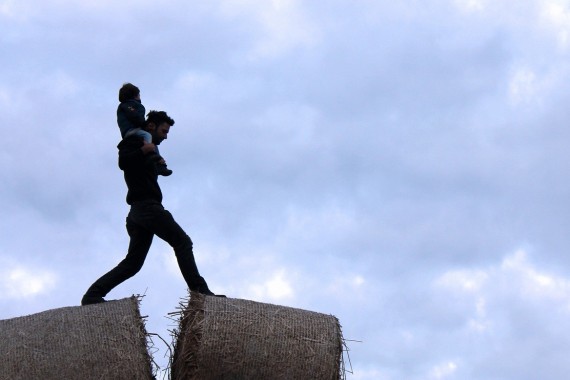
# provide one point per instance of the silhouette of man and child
(141, 163)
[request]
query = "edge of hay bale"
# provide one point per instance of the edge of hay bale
(191, 316)
(225, 338)
(106, 340)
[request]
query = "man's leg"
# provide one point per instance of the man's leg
(140, 241)
(163, 225)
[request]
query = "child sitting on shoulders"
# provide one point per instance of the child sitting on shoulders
(130, 118)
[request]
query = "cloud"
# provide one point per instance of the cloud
(20, 282)
(347, 285)
(515, 278)
(514, 305)
(443, 371)
(555, 16)
(522, 88)
(12, 9)
(275, 287)
(534, 284)
(360, 373)
(284, 26)
(470, 5)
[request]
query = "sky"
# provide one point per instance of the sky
(400, 165)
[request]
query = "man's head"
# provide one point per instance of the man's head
(158, 124)
(128, 91)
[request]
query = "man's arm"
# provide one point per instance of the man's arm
(135, 155)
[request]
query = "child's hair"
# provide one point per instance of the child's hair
(128, 91)
(159, 117)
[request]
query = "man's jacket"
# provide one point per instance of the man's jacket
(139, 171)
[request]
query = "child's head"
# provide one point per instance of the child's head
(128, 91)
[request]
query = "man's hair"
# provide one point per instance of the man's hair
(128, 91)
(159, 117)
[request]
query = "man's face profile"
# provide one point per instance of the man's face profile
(159, 133)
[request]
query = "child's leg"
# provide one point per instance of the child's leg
(147, 137)
(157, 158)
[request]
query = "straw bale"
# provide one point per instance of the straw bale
(231, 339)
(102, 341)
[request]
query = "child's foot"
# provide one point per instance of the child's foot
(163, 170)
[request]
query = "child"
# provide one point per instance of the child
(130, 118)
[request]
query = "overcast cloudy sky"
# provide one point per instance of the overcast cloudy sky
(400, 165)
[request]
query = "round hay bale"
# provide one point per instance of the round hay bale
(225, 338)
(103, 341)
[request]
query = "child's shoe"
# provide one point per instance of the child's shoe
(163, 170)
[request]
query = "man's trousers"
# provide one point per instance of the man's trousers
(145, 220)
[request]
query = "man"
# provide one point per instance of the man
(147, 216)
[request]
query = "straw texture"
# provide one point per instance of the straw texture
(231, 339)
(103, 341)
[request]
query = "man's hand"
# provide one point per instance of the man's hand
(148, 147)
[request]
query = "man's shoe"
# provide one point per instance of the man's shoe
(208, 292)
(91, 300)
